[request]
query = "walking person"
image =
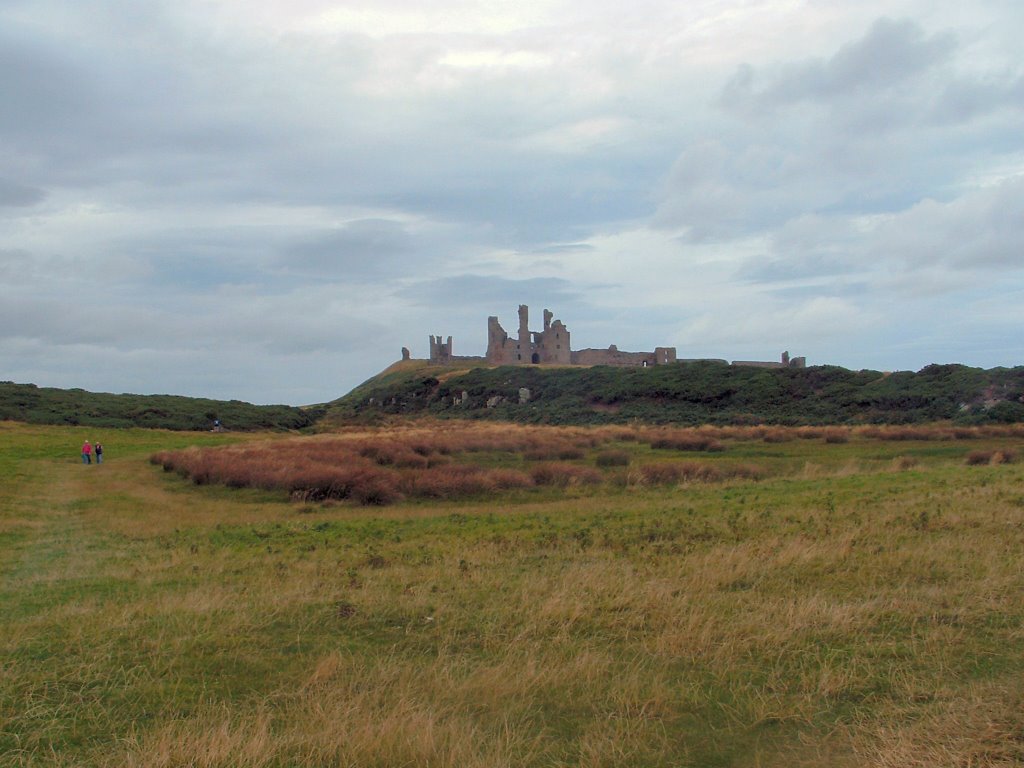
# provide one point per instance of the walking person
(86, 453)
(98, 450)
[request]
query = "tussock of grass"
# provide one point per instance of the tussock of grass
(612, 459)
(684, 440)
(562, 475)
(974, 458)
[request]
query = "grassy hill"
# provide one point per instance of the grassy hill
(696, 393)
(45, 405)
(685, 394)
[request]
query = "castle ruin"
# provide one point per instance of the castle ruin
(550, 346)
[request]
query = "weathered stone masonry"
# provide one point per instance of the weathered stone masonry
(550, 346)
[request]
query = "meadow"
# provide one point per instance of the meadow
(466, 594)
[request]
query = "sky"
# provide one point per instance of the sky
(266, 200)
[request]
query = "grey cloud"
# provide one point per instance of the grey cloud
(360, 249)
(205, 122)
(931, 249)
(558, 249)
(260, 324)
(18, 195)
(890, 53)
(963, 100)
(80, 320)
(771, 269)
(14, 262)
(483, 291)
(43, 91)
(859, 132)
(983, 230)
(718, 192)
(895, 77)
(805, 248)
(842, 289)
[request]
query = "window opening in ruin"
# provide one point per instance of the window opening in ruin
(536, 358)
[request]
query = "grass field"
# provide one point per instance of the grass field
(857, 603)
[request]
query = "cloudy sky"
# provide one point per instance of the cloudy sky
(265, 200)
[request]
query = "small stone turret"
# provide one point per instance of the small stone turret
(440, 351)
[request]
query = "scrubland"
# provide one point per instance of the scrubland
(476, 595)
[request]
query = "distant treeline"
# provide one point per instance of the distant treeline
(692, 393)
(44, 405)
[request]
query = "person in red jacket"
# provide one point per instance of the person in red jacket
(87, 453)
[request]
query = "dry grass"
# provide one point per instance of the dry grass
(849, 615)
(974, 458)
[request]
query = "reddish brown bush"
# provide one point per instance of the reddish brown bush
(671, 472)
(552, 452)
(778, 435)
(926, 432)
(612, 459)
(458, 481)
(836, 436)
(901, 463)
(663, 473)
(976, 458)
(685, 440)
(367, 485)
(563, 475)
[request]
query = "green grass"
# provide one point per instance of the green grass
(841, 611)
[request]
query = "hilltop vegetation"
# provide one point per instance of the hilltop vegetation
(694, 393)
(685, 394)
(45, 405)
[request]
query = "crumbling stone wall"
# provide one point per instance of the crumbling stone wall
(440, 351)
(550, 346)
(614, 356)
(785, 362)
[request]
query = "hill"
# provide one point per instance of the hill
(693, 393)
(686, 394)
(46, 405)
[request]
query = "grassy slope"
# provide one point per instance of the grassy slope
(698, 393)
(845, 614)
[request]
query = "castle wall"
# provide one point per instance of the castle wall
(501, 349)
(785, 362)
(664, 355)
(552, 344)
(612, 356)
